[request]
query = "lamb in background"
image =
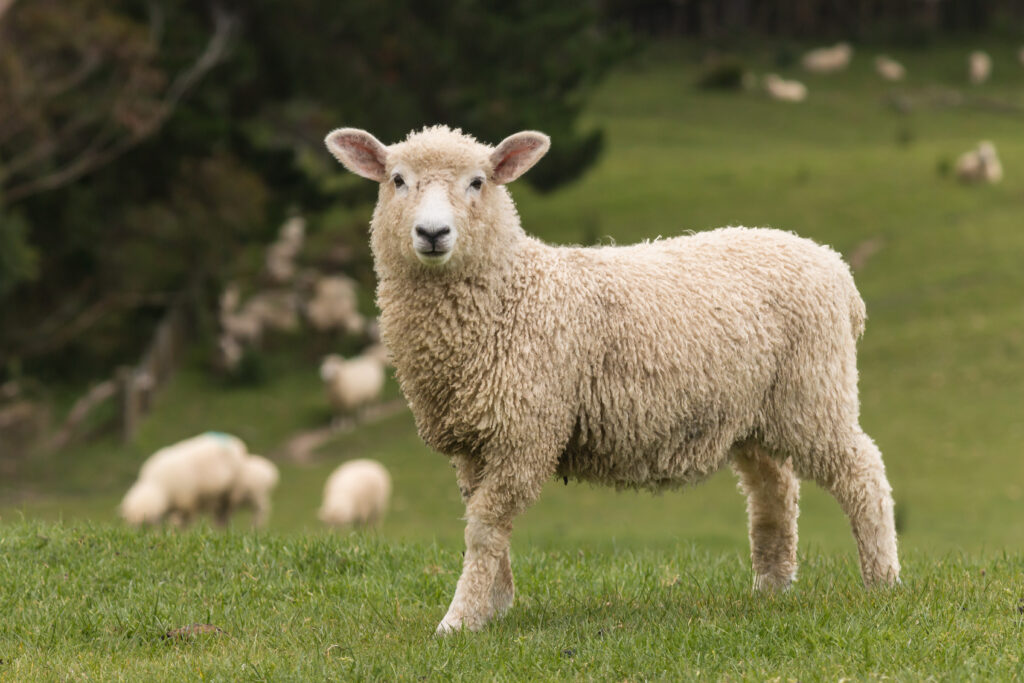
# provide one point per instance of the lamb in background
(979, 67)
(281, 255)
(334, 306)
(352, 384)
(647, 366)
(780, 89)
(210, 473)
(889, 68)
(826, 60)
(356, 493)
(253, 487)
(980, 165)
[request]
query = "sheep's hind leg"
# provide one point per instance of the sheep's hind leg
(857, 480)
(773, 492)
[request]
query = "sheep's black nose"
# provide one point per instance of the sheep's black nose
(432, 234)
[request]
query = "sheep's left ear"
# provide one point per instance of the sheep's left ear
(517, 154)
(359, 152)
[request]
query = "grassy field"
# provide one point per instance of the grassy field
(942, 383)
(85, 602)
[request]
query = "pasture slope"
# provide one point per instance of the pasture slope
(96, 602)
(622, 586)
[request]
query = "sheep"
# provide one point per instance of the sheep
(979, 67)
(980, 165)
(826, 60)
(786, 91)
(257, 479)
(210, 473)
(645, 366)
(183, 479)
(244, 326)
(889, 69)
(353, 383)
(334, 306)
(356, 493)
(280, 258)
(379, 352)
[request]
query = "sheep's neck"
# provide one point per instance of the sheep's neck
(444, 334)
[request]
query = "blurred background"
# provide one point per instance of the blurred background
(178, 251)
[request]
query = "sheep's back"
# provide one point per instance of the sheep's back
(682, 340)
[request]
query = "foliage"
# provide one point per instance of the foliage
(145, 143)
(722, 73)
(18, 260)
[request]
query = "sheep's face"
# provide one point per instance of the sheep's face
(442, 203)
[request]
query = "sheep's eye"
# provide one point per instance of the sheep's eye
(399, 181)
(477, 183)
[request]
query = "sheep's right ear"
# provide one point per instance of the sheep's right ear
(359, 152)
(517, 154)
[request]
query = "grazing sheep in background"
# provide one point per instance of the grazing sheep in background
(280, 259)
(889, 68)
(779, 88)
(180, 481)
(276, 309)
(647, 366)
(245, 326)
(979, 67)
(826, 60)
(379, 352)
(356, 493)
(980, 165)
(257, 479)
(334, 306)
(353, 383)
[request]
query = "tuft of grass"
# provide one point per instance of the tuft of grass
(93, 601)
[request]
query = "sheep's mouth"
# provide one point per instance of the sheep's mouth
(433, 257)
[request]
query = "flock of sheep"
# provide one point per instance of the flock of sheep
(828, 60)
(978, 165)
(646, 366)
(214, 474)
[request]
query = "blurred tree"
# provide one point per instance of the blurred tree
(144, 141)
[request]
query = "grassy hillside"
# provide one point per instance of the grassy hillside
(942, 363)
(87, 602)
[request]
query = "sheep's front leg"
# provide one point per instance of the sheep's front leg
(468, 472)
(485, 587)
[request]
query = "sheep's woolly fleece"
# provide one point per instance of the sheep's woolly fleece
(635, 366)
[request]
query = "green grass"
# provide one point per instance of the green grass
(92, 601)
(942, 382)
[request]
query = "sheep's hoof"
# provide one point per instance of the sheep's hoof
(773, 584)
(447, 626)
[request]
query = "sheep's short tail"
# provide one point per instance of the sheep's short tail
(858, 314)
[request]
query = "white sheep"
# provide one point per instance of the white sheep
(826, 60)
(356, 493)
(646, 366)
(253, 488)
(334, 306)
(281, 255)
(783, 90)
(980, 165)
(979, 67)
(210, 473)
(889, 69)
(353, 383)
